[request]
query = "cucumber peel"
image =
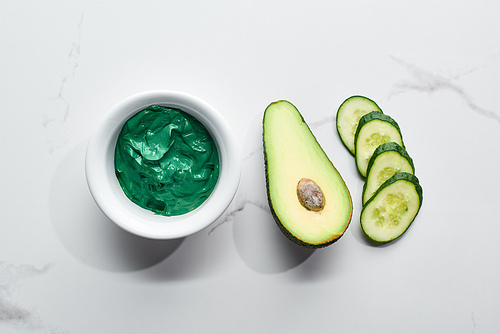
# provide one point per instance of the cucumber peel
(392, 195)
(373, 130)
(392, 209)
(387, 160)
(348, 116)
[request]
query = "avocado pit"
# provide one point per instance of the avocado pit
(310, 195)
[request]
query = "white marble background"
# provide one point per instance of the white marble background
(434, 66)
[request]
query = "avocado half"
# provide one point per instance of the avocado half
(292, 155)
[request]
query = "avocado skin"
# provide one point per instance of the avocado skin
(285, 231)
(281, 226)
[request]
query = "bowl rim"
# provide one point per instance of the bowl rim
(107, 193)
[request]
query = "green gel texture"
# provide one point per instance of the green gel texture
(166, 161)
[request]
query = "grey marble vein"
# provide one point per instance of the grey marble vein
(58, 109)
(427, 82)
(251, 154)
(232, 213)
(11, 313)
(474, 323)
(258, 152)
(321, 122)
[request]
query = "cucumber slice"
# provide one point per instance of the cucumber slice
(348, 116)
(373, 130)
(389, 213)
(387, 160)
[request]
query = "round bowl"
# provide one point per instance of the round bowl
(108, 194)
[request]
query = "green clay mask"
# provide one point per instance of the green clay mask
(166, 161)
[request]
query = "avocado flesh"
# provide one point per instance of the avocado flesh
(291, 154)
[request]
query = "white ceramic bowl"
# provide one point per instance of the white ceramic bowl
(109, 196)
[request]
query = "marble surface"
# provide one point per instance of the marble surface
(434, 66)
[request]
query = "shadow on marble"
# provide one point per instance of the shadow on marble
(262, 246)
(87, 233)
(322, 266)
(258, 240)
(194, 260)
